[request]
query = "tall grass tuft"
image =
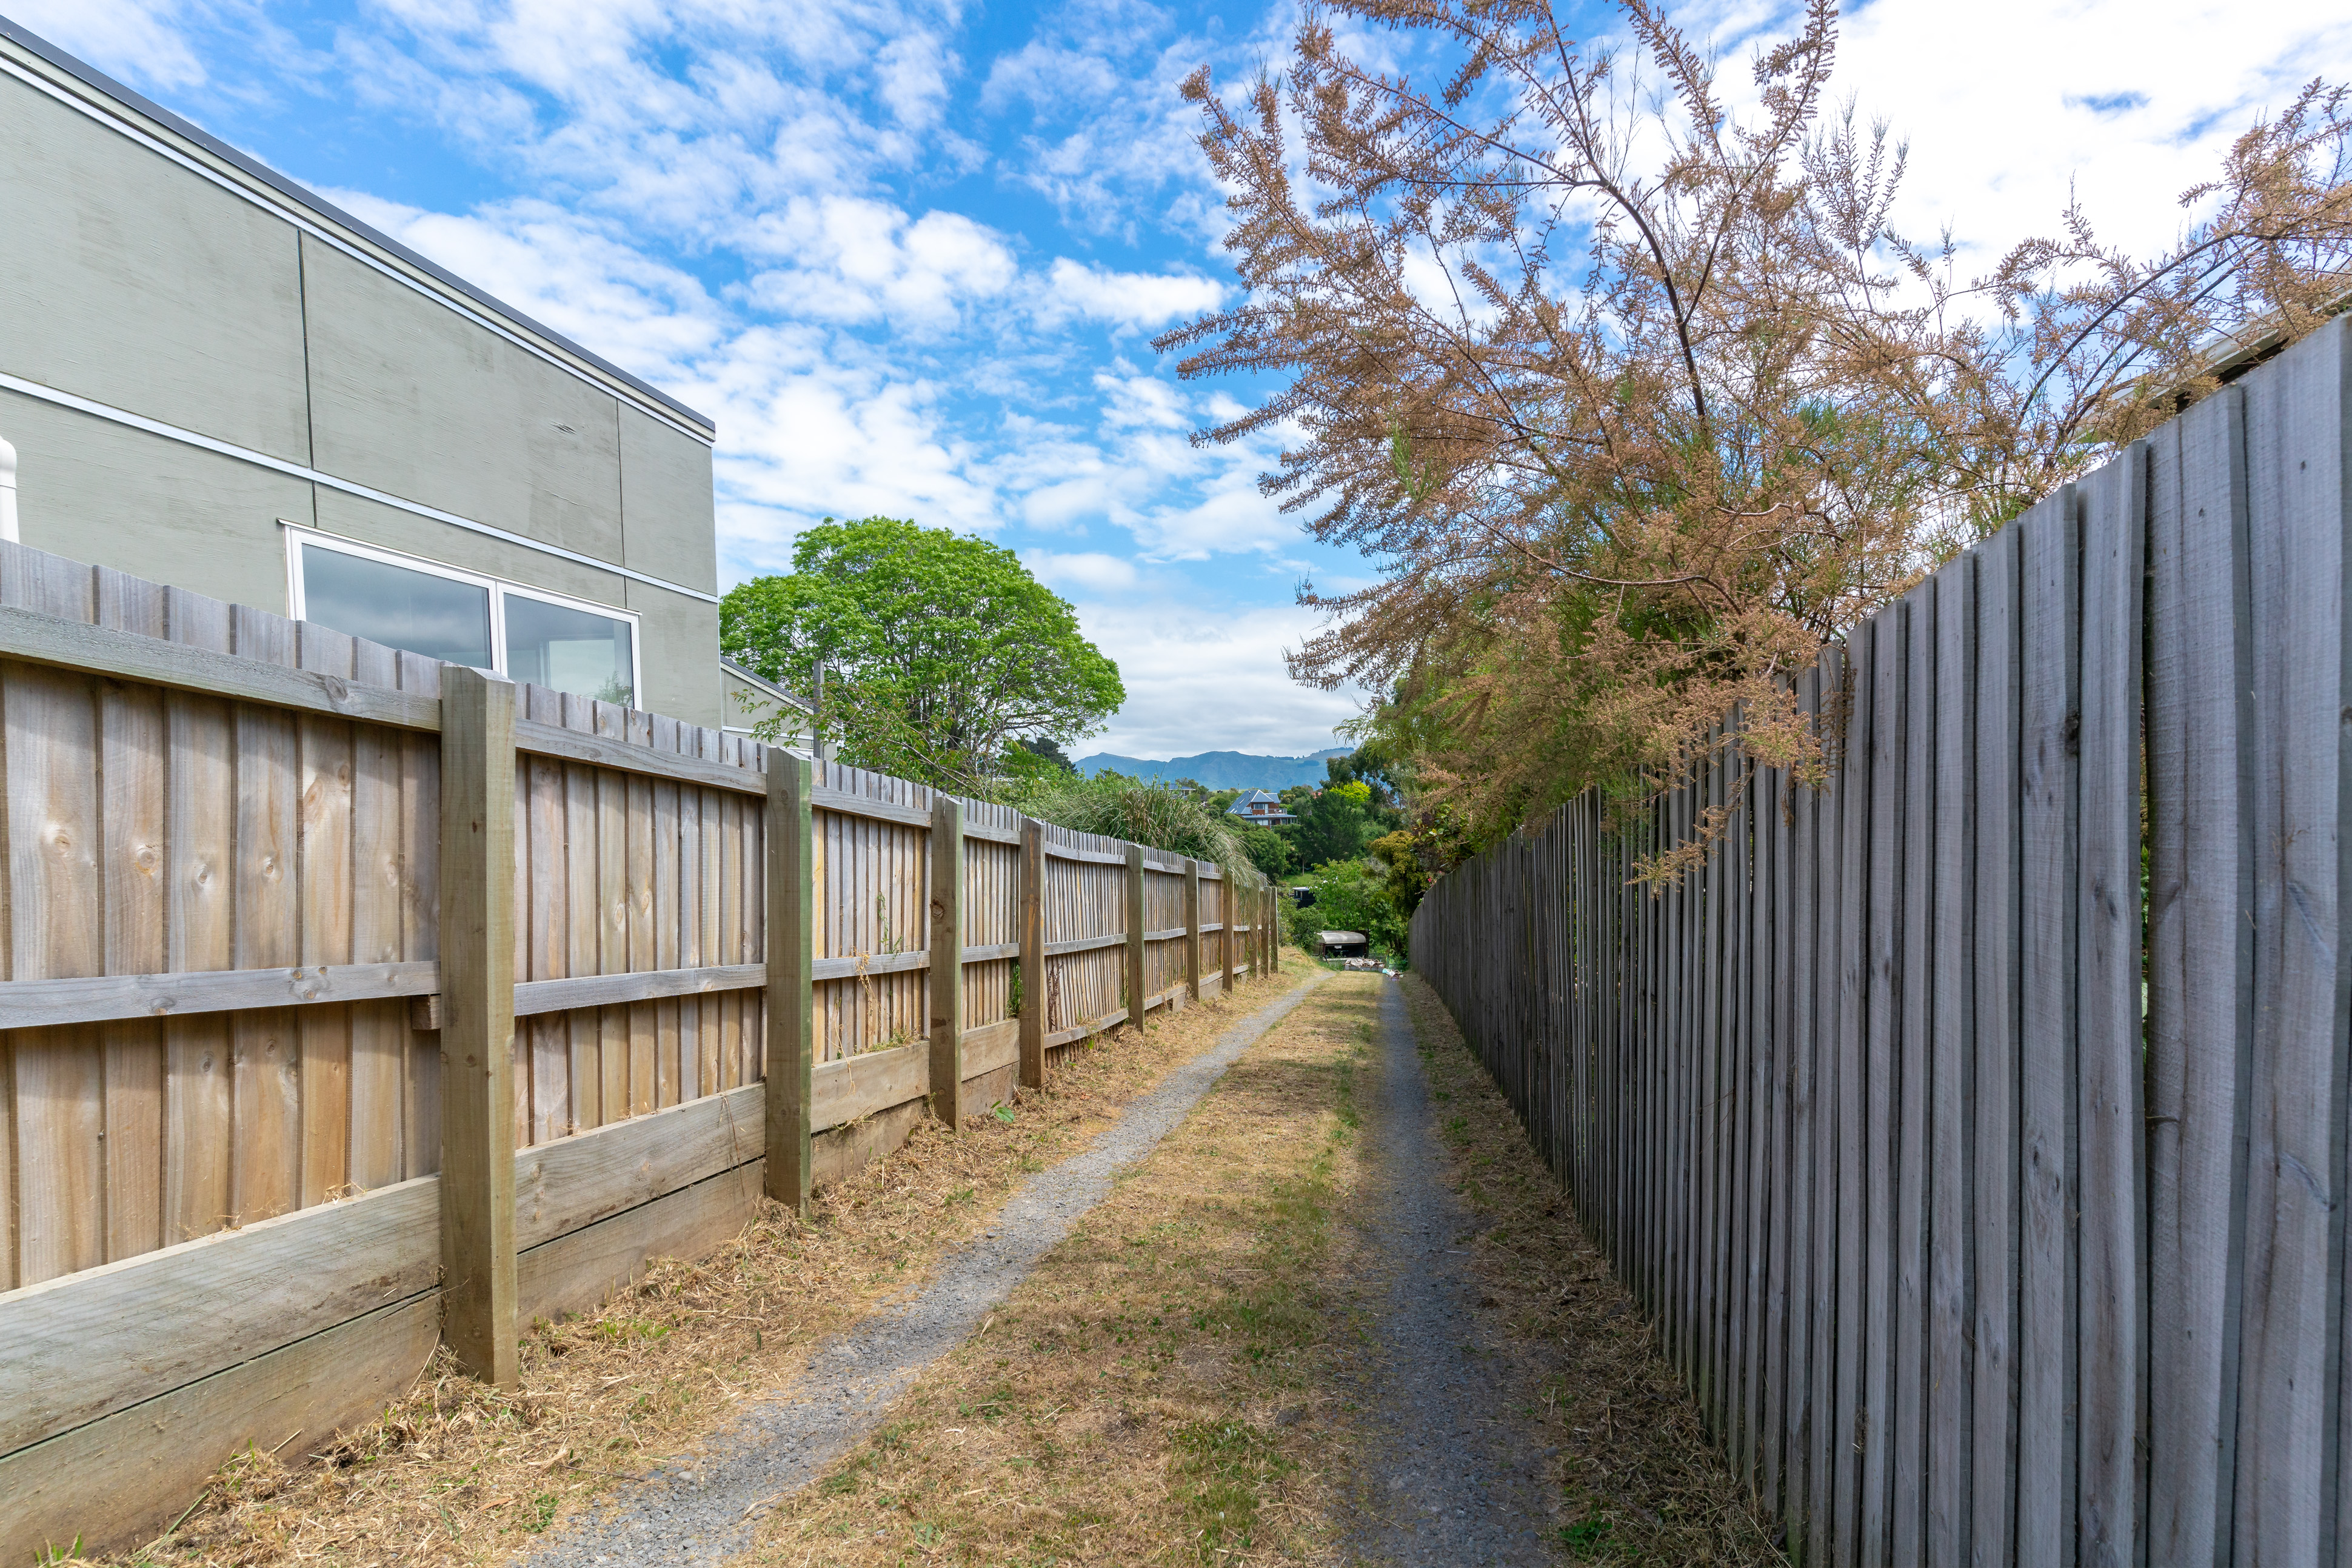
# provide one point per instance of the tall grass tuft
(1151, 814)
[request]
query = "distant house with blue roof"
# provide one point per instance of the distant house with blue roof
(1260, 808)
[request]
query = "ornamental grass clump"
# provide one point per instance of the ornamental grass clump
(1118, 807)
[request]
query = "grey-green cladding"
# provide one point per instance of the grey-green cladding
(193, 350)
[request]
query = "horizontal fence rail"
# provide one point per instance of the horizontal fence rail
(1979, 1153)
(353, 1003)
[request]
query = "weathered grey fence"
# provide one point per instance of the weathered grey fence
(1989, 1199)
(355, 1003)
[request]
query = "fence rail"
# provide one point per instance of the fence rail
(1989, 1197)
(354, 1002)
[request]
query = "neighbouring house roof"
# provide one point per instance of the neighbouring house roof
(1338, 938)
(1260, 806)
(764, 685)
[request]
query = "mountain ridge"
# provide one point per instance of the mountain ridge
(1220, 769)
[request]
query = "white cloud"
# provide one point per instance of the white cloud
(820, 223)
(2007, 108)
(143, 41)
(1207, 677)
(1087, 571)
(856, 261)
(1132, 300)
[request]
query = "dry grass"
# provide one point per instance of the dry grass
(1159, 1390)
(455, 1473)
(1639, 1481)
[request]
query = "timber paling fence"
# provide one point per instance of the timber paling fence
(355, 1003)
(1969, 1253)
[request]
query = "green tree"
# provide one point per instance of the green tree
(1030, 764)
(1349, 896)
(1269, 850)
(1334, 825)
(940, 648)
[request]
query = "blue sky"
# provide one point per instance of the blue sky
(911, 255)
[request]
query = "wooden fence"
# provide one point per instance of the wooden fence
(355, 1003)
(1989, 1199)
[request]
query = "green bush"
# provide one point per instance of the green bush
(1118, 807)
(1349, 896)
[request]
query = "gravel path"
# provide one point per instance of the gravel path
(1453, 1477)
(699, 1508)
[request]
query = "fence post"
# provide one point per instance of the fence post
(478, 980)
(1192, 930)
(1135, 935)
(947, 959)
(1031, 934)
(1273, 930)
(789, 828)
(1229, 905)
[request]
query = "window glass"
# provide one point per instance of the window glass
(437, 616)
(570, 649)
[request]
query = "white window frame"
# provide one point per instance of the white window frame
(498, 587)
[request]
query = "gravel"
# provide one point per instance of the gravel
(699, 1509)
(1451, 1475)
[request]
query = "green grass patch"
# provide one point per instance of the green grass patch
(1223, 1467)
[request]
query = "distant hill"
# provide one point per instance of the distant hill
(1221, 769)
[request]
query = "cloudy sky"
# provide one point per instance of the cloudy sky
(911, 255)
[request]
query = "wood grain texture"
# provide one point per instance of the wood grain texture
(945, 943)
(36, 638)
(579, 1180)
(1881, 1068)
(1914, 977)
(477, 1029)
(1951, 1086)
(2049, 1170)
(2110, 1211)
(2201, 1010)
(537, 997)
(862, 1085)
(118, 1481)
(1030, 920)
(109, 1338)
(547, 736)
(1135, 985)
(1853, 1341)
(1835, 931)
(2293, 1307)
(577, 1270)
(36, 1004)
(791, 989)
(1998, 1049)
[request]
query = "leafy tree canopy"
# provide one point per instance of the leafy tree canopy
(940, 648)
(1334, 825)
(1269, 850)
(1349, 896)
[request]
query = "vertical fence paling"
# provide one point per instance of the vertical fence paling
(1990, 1200)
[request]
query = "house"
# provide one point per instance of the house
(1261, 809)
(751, 700)
(214, 378)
